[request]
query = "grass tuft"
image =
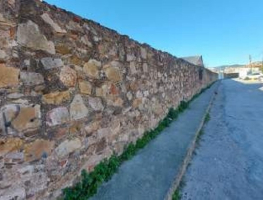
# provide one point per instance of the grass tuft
(207, 117)
(176, 195)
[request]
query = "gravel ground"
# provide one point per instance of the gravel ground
(229, 160)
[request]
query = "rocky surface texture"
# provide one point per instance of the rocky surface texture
(73, 93)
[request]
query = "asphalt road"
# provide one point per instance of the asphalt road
(229, 160)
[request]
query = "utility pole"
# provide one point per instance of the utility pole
(250, 61)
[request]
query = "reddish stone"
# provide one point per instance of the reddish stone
(62, 132)
(76, 19)
(63, 163)
(114, 90)
(12, 32)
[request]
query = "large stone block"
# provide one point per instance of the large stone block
(31, 78)
(91, 68)
(9, 145)
(8, 76)
(29, 35)
(68, 147)
(85, 87)
(113, 74)
(78, 110)
(54, 25)
(57, 116)
(56, 97)
(51, 63)
(96, 104)
(38, 149)
(20, 118)
(68, 76)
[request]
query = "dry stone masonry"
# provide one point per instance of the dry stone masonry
(73, 93)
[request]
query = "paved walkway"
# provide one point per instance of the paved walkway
(150, 174)
(229, 161)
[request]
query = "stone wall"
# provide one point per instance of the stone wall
(73, 93)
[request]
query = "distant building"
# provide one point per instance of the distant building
(196, 60)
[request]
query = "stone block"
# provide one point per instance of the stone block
(51, 63)
(8, 76)
(57, 116)
(78, 110)
(20, 118)
(68, 76)
(96, 104)
(67, 147)
(31, 78)
(38, 149)
(133, 68)
(3, 56)
(91, 68)
(54, 25)
(143, 53)
(63, 49)
(56, 97)
(85, 87)
(29, 35)
(9, 145)
(113, 74)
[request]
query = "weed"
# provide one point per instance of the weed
(176, 195)
(207, 117)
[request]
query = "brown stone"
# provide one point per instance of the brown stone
(63, 49)
(118, 102)
(22, 118)
(75, 60)
(68, 76)
(76, 127)
(28, 118)
(114, 90)
(12, 32)
(8, 76)
(134, 86)
(113, 74)
(91, 68)
(38, 149)
(136, 103)
(85, 87)
(56, 97)
(60, 133)
(10, 145)
(92, 127)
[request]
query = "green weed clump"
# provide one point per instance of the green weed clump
(176, 195)
(207, 117)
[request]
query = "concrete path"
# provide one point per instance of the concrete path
(229, 161)
(150, 174)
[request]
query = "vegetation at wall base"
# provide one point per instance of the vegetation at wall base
(89, 183)
(176, 195)
(207, 118)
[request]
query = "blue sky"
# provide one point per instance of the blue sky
(223, 31)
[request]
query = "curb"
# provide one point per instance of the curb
(190, 151)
